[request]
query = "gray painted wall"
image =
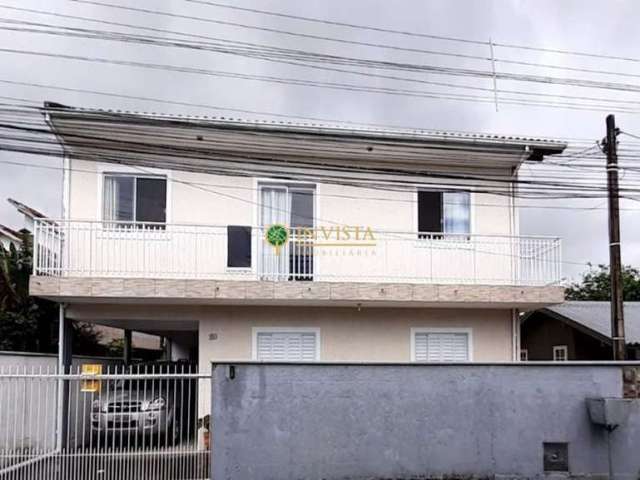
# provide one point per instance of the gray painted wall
(412, 421)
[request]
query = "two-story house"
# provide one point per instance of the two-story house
(283, 241)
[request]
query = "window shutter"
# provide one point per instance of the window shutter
(286, 346)
(238, 246)
(441, 347)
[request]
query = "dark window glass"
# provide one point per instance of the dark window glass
(238, 246)
(429, 211)
(151, 199)
(302, 208)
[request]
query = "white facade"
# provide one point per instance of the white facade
(194, 244)
(433, 269)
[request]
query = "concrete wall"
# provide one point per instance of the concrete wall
(410, 421)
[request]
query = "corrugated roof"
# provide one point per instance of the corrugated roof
(321, 128)
(597, 317)
(10, 232)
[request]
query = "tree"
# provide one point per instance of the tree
(29, 323)
(23, 319)
(596, 284)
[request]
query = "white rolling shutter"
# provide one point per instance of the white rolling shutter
(441, 347)
(287, 346)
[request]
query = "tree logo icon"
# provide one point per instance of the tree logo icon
(276, 236)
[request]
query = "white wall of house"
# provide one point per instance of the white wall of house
(224, 200)
(349, 335)
(205, 199)
(344, 334)
(352, 335)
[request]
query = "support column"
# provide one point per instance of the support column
(126, 351)
(65, 353)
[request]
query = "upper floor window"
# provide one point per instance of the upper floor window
(444, 212)
(133, 198)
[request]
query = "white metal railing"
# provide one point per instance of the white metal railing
(137, 250)
(142, 421)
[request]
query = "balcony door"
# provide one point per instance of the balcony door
(293, 207)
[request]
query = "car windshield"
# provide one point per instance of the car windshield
(153, 384)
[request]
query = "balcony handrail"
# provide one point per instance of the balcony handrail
(172, 250)
(54, 222)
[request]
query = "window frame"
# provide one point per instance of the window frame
(416, 212)
(257, 330)
(289, 187)
(125, 170)
(433, 330)
(135, 223)
(561, 348)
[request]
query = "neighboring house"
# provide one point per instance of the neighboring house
(9, 236)
(31, 215)
(577, 330)
(223, 236)
(143, 345)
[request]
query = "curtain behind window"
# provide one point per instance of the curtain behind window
(117, 198)
(275, 208)
(457, 212)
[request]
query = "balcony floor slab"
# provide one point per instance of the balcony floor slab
(233, 292)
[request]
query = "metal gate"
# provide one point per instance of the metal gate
(104, 423)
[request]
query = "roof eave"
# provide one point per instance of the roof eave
(532, 149)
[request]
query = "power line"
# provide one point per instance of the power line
(376, 126)
(412, 34)
(320, 194)
(155, 149)
(301, 82)
(377, 45)
(450, 85)
(428, 68)
(548, 189)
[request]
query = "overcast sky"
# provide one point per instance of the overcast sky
(592, 26)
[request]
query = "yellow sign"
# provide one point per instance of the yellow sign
(90, 386)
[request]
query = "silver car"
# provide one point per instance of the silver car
(139, 407)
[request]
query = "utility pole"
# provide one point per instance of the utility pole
(615, 262)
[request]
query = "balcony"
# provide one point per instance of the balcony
(97, 250)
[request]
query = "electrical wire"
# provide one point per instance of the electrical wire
(415, 34)
(248, 160)
(199, 36)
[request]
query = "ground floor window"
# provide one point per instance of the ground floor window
(560, 353)
(286, 344)
(435, 345)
